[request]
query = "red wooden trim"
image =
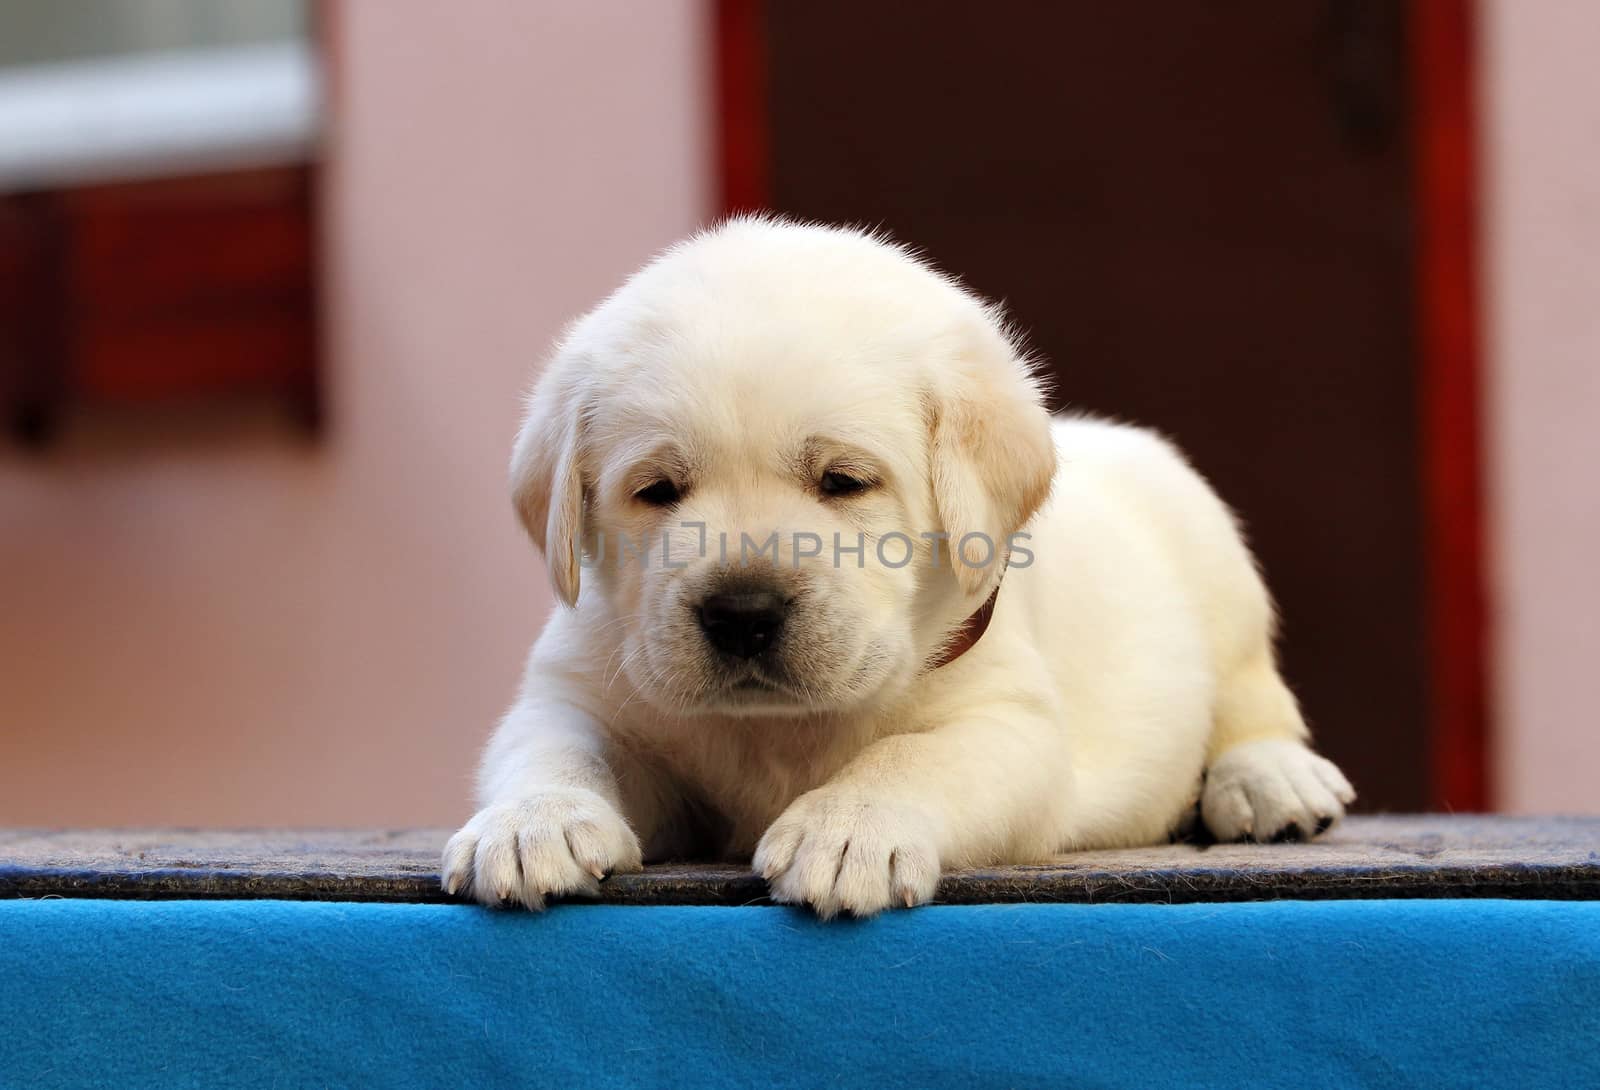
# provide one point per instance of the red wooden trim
(743, 151)
(1442, 48)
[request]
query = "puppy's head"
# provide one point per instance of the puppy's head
(788, 458)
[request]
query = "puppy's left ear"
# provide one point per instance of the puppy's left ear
(546, 477)
(992, 454)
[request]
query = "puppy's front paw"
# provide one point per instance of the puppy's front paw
(552, 844)
(839, 850)
(1274, 789)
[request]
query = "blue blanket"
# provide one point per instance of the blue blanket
(1305, 994)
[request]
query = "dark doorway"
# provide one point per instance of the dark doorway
(1203, 216)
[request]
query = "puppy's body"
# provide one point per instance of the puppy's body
(1129, 651)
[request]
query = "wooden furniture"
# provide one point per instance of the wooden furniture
(157, 291)
(1365, 857)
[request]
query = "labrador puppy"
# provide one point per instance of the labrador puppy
(838, 596)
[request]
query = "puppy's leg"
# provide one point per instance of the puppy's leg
(552, 820)
(986, 785)
(1263, 782)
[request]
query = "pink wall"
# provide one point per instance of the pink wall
(237, 631)
(1542, 218)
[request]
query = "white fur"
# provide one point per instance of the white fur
(1132, 654)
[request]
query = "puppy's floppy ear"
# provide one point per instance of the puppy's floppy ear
(992, 455)
(546, 473)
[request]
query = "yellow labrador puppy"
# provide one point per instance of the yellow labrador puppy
(839, 596)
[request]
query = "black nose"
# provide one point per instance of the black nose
(743, 624)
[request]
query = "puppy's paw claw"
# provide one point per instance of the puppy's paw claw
(1273, 790)
(840, 852)
(553, 844)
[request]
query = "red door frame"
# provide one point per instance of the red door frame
(1441, 63)
(1443, 53)
(743, 167)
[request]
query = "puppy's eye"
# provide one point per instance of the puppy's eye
(661, 494)
(835, 483)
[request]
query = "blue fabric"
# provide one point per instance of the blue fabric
(264, 993)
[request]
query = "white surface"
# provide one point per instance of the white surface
(1541, 100)
(133, 117)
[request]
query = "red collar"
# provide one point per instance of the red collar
(966, 637)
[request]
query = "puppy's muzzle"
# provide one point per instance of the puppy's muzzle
(743, 623)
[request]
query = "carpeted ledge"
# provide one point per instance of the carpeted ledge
(1365, 857)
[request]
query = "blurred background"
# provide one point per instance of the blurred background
(274, 274)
